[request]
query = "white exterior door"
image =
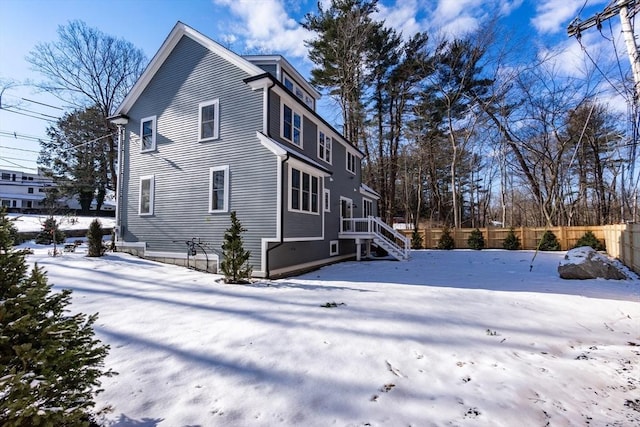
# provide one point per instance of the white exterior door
(346, 213)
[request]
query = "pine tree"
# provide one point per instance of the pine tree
(511, 242)
(51, 363)
(50, 233)
(94, 239)
(549, 242)
(235, 264)
(446, 240)
(590, 239)
(416, 240)
(476, 240)
(14, 235)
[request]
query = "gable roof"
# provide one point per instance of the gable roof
(178, 31)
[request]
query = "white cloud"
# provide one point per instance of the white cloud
(265, 26)
(553, 16)
(401, 16)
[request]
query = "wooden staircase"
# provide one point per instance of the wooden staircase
(377, 231)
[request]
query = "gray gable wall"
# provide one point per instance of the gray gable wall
(190, 75)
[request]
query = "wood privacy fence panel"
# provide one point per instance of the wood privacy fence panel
(622, 240)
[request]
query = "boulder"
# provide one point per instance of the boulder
(585, 263)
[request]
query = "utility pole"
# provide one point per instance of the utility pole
(626, 9)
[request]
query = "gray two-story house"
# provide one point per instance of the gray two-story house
(205, 132)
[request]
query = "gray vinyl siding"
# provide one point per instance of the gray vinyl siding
(180, 164)
(296, 253)
(269, 68)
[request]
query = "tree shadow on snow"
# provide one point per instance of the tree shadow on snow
(125, 421)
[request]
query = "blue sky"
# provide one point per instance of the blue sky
(248, 26)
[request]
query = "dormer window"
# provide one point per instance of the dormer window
(297, 90)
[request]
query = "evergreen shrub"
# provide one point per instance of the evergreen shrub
(446, 240)
(416, 240)
(476, 240)
(50, 232)
(94, 239)
(549, 242)
(50, 361)
(511, 242)
(235, 263)
(590, 239)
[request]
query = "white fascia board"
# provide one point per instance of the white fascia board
(167, 47)
(271, 145)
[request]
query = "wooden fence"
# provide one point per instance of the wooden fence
(622, 241)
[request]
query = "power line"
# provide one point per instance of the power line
(18, 149)
(42, 103)
(28, 115)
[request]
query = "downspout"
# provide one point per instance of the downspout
(282, 163)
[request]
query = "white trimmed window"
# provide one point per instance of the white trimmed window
(303, 194)
(209, 120)
(351, 162)
(148, 134)
(324, 146)
(147, 190)
(367, 208)
(326, 200)
(291, 125)
(219, 189)
(334, 248)
(297, 90)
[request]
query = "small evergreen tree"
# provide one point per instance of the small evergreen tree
(476, 239)
(590, 239)
(51, 363)
(511, 242)
(94, 239)
(50, 233)
(416, 239)
(446, 240)
(14, 235)
(235, 264)
(549, 242)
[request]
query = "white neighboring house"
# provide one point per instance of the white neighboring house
(23, 192)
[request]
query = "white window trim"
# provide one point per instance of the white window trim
(337, 251)
(293, 111)
(290, 180)
(226, 188)
(312, 104)
(326, 135)
(152, 191)
(327, 193)
(366, 200)
(349, 153)
(154, 131)
(216, 120)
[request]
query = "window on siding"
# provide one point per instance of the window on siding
(297, 91)
(148, 134)
(334, 247)
(291, 125)
(147, 184)
(209, 120)
(351, 162)
(367, 208)
(304, 192)
(30, 190)
(219, 189)
(327, 200)
(324, 146)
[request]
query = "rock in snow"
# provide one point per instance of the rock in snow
(585, 263)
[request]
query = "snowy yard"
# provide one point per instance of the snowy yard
(448, 338)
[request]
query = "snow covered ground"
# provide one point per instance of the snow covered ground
(29, 223)
(448, 338)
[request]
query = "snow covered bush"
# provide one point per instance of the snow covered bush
(476, 239)
(235, 264)
(511, 242)
(549, 242)
(51, 363)
(446, 240)
(590, 239)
